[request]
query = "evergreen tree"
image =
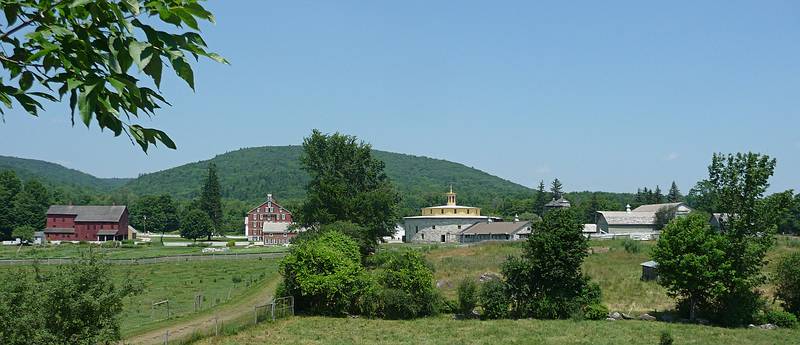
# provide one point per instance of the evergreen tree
(10, 186)
(211, 200)
(658, 197)
(541, 199)
(556, 190)
(674, 194)
(30, 205)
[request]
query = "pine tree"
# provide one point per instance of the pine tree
(555, 190)
(10, 185)
(658, 198)
(210, 199)
(541, 199)
(674, 194)
(30, 205)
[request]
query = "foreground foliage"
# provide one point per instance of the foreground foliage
(787, 281)
(75, 304)
(85, 50)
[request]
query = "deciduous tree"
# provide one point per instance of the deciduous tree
(347, 184)
(196, 224)
(85, 51)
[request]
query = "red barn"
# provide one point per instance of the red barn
(269, 223)
(86, 223)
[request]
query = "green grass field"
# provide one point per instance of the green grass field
(616, 270)
(70, 250)
(445, 330)
(218, 281)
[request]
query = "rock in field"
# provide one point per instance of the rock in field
(647, 317)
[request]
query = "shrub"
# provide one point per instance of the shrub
(781, 318)
(408, 272)
(448, 306)
(666, 338)
(109, 244)
(397, 306)
(321, 273)
(231, 244)
(370, 300)
(787, 281)
(236, 279)
(494, 300)
(595, 311)
(467, 296)
(631, 246)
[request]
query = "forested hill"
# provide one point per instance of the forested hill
(55, 174)
(249, 174)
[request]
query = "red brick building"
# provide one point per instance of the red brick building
(86, 223)
(269, 223)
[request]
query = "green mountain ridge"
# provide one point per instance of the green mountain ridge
(249, 174)
(57, 174)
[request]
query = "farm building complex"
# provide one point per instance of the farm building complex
(443, 224)
(269, 223)
(87, 223)
(639, 220)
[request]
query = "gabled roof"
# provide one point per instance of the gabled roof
(628, 218)
(274, 203)
(651, 264)
(657, 207)
(496, 228)
(89, 213)
(561, 202)
(59, 231)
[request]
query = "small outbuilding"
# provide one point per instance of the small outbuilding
(649, 270)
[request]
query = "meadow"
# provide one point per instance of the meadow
(75, 250)
(446, 330)
(217, 281)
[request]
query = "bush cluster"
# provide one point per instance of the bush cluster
(787, 281)
(467, 296)
(493, 299)
(631, 246)
(325, 274)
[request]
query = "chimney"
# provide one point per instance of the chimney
(628, 208)
(269, 197)
(516, 218)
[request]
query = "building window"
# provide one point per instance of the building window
(434, 227)
(423, 236)
(442, 211)
(416, 228)
(283, 216)
(459, 227)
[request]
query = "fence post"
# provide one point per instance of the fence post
(255, 315)
(273, 309)
(216, 326)
(166, 338)
(292, 300)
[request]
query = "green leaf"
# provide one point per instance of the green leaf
(11, 12)
(216, 57)
(26, 80)
(153, 69)
(133, 6)
(78, 3)
(184, 70)
(136, 48)
(29, 104)
(187, 18)
(198, 10)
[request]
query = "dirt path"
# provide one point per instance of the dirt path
(205, 321)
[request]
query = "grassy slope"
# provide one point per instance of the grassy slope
(180, 282)
(57, 174)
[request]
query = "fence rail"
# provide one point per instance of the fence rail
(141, 261)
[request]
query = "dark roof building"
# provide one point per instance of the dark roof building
(557, 203)
(497, 231)
(86, 223)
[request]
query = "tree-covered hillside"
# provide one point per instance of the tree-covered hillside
(56, 174)
(249, 174)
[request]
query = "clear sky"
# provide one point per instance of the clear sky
(604, 95)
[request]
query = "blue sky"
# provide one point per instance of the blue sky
(603, 95)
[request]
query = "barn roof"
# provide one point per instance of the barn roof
(656, 207)
(59, 231)
(628, 218)
(89, 213)
(561, 202)
(495, 228)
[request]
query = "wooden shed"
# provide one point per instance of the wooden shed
(649, 270)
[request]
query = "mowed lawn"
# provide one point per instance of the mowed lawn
(445, 330)
(70, 250)
(218, 281)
